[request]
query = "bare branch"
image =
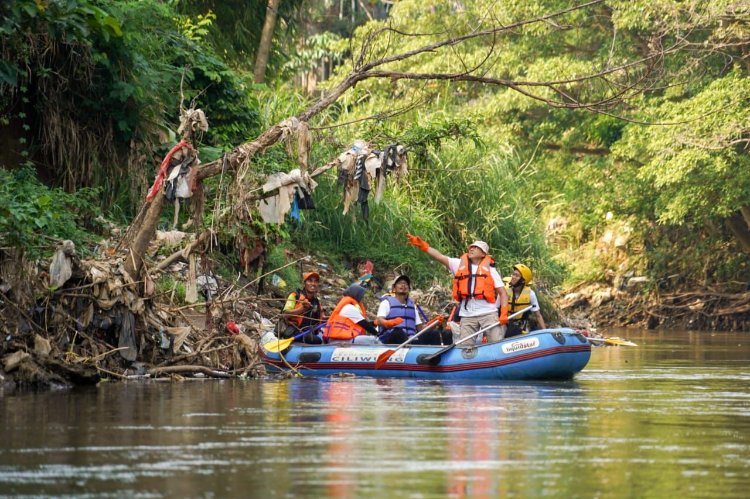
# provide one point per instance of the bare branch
(378, 116)
(458, 39)
(242, 154)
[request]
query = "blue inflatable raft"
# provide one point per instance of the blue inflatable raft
(544, 354)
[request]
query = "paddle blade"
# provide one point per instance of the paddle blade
(620, 341)
(278, 345)
(613, 341)
(383, 358)
(438, 353)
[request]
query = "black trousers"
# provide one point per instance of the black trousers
(291, 331)
(515, 329)
(431, 337)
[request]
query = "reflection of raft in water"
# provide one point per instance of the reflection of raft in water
(544, 354)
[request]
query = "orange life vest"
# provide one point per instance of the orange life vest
(312, 317)
(339, 327)
(484, 286)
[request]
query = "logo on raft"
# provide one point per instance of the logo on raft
(517, 346)
(366, 355)
(348, 354)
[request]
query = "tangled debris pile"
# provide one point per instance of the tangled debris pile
(632, 304)
(77, 321)
(81, 320)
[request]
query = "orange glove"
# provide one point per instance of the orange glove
(418, 242)
(503, 320)
(393, 322)
(439, 319)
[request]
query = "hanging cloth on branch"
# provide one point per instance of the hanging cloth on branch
(163, 169)
(274, 208)
(360, 177)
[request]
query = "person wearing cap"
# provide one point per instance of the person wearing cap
(398, 305)
(521, 296)
(303, 311)
(477, 286)
(347, 321)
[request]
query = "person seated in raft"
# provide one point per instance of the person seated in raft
(520, 296)
(399, 305)
(348, 323)
(303, 311)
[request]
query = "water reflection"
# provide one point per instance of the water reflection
(461, 433)
(669, 417)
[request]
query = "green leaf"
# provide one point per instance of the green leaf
(208, 154)
(8, 73)
(31, 8)
(113, 25)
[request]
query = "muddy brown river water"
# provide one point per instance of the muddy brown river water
(669, 418)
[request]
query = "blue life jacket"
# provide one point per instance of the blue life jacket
(406, 311)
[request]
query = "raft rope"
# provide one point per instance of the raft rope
(296, 372)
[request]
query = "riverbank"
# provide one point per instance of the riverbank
(638, 306)
(69, 322)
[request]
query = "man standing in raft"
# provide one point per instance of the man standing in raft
(477, 287)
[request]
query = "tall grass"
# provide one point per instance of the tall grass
(458, 190)
(457, 195)
(383, 239)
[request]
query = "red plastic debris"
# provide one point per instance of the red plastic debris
(232, 328)
(367, 267)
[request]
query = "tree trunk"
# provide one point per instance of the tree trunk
(740, 230)
(134, 260)
(232, 160)
(745, 210)
(261, 58)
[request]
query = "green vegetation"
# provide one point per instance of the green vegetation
(290, 275)
(653, 184)
(96, 86)
(175, 289)
(33, 216)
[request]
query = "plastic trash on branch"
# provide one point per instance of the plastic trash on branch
(277, 281)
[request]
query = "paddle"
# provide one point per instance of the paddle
(283, 344)
(421, 312)
(443, 350)
(383, 357)
(613, 341)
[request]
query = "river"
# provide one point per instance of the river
(669, 418)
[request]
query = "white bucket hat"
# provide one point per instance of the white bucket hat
(482, 246)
